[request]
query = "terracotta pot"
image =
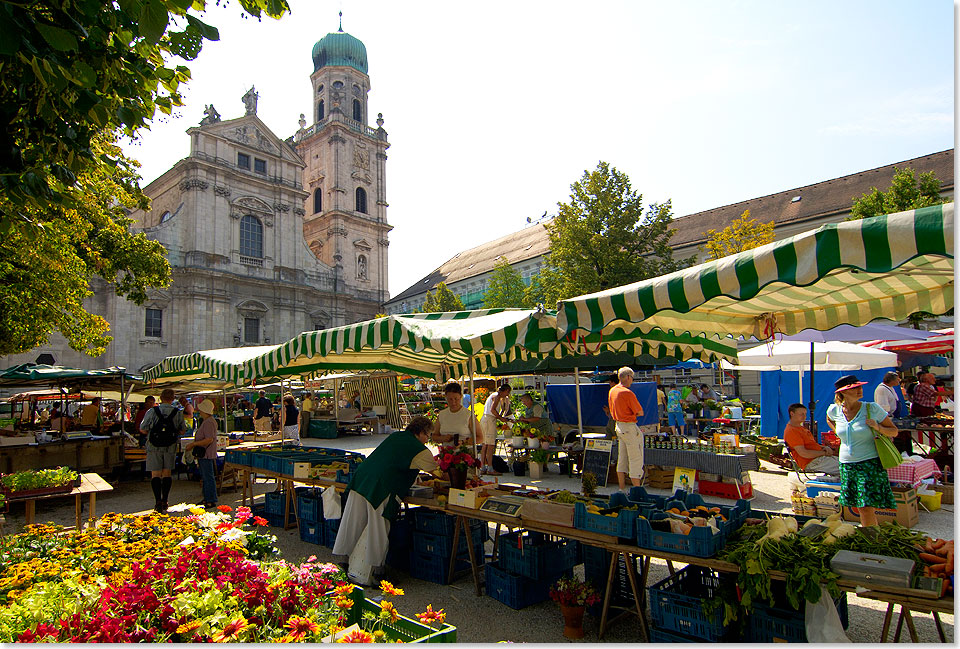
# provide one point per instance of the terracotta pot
(544, 443)
(572, 621)
(458, 476)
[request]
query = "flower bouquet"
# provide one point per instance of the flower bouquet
(455, 463)
(572, 591)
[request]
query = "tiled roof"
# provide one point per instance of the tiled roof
(817, 202)
(531, 242)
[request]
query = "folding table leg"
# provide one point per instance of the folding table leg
(936, 620)
(454, 548)
(611, 575)
(896, 634)
(913, 630)
(473, 555)
(629, 559)
(886, 623)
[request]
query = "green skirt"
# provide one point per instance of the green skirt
(865, 484)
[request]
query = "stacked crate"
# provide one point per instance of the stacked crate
(432, 545)
(310, 515)
(528, 565)
(596, 568)
(678, 611)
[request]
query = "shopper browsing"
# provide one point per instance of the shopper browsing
(205, 438)
(625, 409)
(808, 455)
(163, 425)
(494, 410)
(863, 481)
(675, 410)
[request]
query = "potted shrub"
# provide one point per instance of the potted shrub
(573, 595)
(538, 462)
(520, 430)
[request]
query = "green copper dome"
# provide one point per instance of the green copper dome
(340, 48)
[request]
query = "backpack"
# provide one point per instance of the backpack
(163, 432)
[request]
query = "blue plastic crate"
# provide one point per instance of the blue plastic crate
(676, 604)
(596, 569)
(623, 526)
(311, 532)
(330, 528)
(274, 502)
(659, 636)
(442, 545)
(433, 568)
(259, 459)
(780, 623)
(309, 508)
(401, 540)
(516, 591)
(434, 522)
(276, 520)
(538, 557)
(238, 456)
(699, 542)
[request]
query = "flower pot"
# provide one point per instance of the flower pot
(458, 476)
(533, 442)
(544, 443)
(536, 470)
(572, 621)
(519, 469)
(518, 441)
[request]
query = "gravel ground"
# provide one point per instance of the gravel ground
(482, 619)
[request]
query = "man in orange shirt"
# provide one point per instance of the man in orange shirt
(625, 409)
(809, 455)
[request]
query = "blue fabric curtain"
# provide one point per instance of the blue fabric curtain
(779, 389)
(562, 400)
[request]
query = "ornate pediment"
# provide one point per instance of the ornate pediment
(362, 244)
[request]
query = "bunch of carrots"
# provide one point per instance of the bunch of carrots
(937, 554)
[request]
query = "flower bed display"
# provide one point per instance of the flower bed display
(28, 484)
(205, 576)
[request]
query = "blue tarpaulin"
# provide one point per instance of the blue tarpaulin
(779, 389)
(562, 400)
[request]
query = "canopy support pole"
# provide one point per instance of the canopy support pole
(123, 405)
(473, 411)
(576, 382)
(813, 402)
(226, 422)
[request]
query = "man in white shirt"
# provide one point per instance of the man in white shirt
(886, 393)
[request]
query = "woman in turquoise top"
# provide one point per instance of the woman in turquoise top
(863, 480)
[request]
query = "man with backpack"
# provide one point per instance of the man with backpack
(163, 425)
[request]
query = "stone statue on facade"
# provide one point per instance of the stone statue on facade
(212, 116)
(250, 100)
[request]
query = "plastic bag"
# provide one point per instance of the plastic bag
(823, 621)
(887, 452)
(331, 504)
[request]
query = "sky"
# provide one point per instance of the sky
(494, 109)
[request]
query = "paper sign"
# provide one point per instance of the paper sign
(684, 479)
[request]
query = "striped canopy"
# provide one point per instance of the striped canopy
(443, 345)
(853, 272)
(211, 368)
(940, 342)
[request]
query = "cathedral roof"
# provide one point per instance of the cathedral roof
(340, 48)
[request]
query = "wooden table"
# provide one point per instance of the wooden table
(247, 474)
(90, 483)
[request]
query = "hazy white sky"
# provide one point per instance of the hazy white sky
(493, 109)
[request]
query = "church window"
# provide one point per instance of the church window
(319, 88)
(317, 200)
(357, 110)
(251, 237)
(320, 110)
(243, 161)
(361, 200)
(338, 84)
(260, 166)
(165, 216)
(153, 323)
(251, 330)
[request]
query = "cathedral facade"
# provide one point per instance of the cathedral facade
(266, 237)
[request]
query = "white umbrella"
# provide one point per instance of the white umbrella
(794, 356)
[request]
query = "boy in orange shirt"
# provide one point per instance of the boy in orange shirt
(809, 455)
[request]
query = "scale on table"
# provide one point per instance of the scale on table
(504, 505)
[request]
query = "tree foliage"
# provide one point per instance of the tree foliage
(602, 238)
(46, 265)
(74, 76)
(443, 299)
(907, 192)
(505, 290)
(743, 234)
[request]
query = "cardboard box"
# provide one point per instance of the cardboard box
(547, 512)
(658, 477)
(469, 498)
(302, 469)
(907, 512)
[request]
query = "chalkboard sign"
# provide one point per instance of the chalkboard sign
(503, 507)
(596, 459)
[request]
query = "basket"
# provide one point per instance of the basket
(676, 604)
(699, 542)
(330, 528)
(274, 502)
(442, 545)
(539, 556)
(242, 457)
(662, 637)
(434, 522)
(596, 568)
(516, 591)
(725, 490)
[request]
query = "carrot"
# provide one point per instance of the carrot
(932, 558)
(937, 569)
(926, 571)
(939, 543)
(929, 545)
(945, 588)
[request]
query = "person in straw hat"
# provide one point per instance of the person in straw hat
(204, 448)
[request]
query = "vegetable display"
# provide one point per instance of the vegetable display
(42, 479)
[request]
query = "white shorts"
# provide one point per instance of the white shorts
(629, 449)
(488, 430)
(263, 424)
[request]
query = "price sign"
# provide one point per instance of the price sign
(596, 459)
(502, 507)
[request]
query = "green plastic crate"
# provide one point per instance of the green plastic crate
(322, 428)
(405, 629)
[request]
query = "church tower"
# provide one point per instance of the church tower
(345, 221)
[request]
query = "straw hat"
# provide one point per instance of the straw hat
(206, 406)
(847, 382)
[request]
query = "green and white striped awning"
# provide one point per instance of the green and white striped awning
(211, 368)
(853, 272)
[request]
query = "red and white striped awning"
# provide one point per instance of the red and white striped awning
(940, 343)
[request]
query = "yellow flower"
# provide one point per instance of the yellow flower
(389, 611)
(232, 630)
(390, 589)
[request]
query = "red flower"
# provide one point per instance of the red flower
(226, 509)
(259, 520)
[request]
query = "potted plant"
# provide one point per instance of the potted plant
(456, 461)
(538, 461)
(573, 595)
(520, 430)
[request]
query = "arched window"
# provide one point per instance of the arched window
(361, 200)
(251, 237)
(320, 110)
(317, 200)
(357, 110)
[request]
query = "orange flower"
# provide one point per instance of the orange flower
(343, 602)
(390, 589)
(357, 636)
(344, 589)
(232, 630)
(226, 509)
(389, 611)
(301, 626)
(430, 615)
